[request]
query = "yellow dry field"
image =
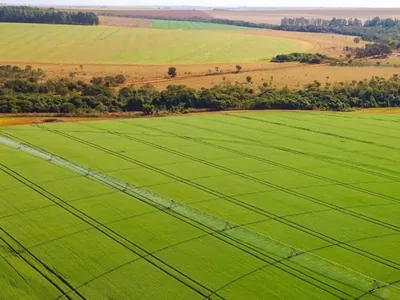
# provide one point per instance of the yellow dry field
(386, 110)
(291, 75)
(6, 120)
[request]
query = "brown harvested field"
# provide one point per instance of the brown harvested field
(275, 16)
(125, 22)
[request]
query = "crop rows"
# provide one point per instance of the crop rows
(84, 44)
(326, 184)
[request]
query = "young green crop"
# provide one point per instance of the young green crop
(324, 183)
(29, 43)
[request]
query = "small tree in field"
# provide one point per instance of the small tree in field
(97, 80)
(120, 79)
(357, 40)
(238, 68)
(248, 79)
(172, 72)
(148, 109)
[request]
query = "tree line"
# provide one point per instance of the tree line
(26, 91)
(306, 58)
(373, 30)
(334, 22)
(375, 50)
(27, 14)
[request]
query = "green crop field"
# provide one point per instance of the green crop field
(164, 24)
(277, 205)
(29, 43)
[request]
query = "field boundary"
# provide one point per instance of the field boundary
(309, 261)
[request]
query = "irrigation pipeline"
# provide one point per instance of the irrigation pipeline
(292, 271)
(218, 233)
(324, 267)
(324, 237)
(225, 197)
(110, 233)
(57, 132)
(335, 242)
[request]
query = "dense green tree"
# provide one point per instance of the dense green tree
(27, 14)
(148, 109)
(178, 94)
(308, 58)
(172, 72)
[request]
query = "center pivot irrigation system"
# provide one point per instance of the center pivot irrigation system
(334, 275)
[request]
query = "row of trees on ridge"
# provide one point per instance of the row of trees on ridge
(27, 91)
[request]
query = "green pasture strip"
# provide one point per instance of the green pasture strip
(188, 25)
(84, 44)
